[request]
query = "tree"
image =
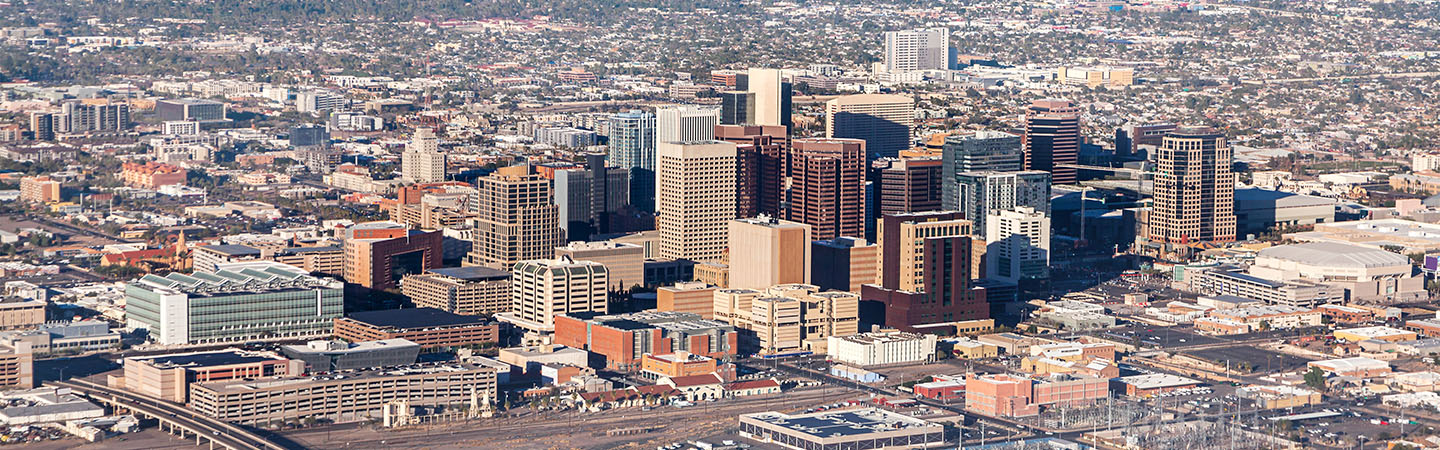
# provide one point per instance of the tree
(1315, 378)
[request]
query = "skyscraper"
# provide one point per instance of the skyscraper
(1017, 245)
(760, 167)
(1052, 139)
(696, 198)
(423, 162)
(109, 116)
(765, 251)
(827, 186)
(737, 108)
(922, 49)
(927, 267)
(844, 264)
(632, 146)
(906, 185)
(517, 219)
(973, 152)
(42, 126)
(983, 193)
(588, 198)
(883, 121)
(772, 97)
(686, 123)
(1194, 188)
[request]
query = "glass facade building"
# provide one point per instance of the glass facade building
(237, 303)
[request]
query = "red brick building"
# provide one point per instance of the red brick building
(151, 175)
(622, 340)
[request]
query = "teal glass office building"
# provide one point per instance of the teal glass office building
(240, 302)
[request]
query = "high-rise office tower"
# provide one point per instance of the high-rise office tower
(928, 262)
(883, 121)
(1017, 245)
(686, 123)
(545, 288)
(906, 185)
(973, 152)
(983, 193)
(632, 146)
(923, 49)
(588, 198)
(517, 219)
(423, 162)
(765, 251)
(1130, 138)
(827, 186)
(696, 199)
(1194, 188)
(772, 97)
(624, 262)
(737, 108)
(379, 254)
(844, 264)
(1052, 139)
(760, 165)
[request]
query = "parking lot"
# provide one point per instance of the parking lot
(1258, 359)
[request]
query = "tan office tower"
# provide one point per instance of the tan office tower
(769, 97)
(546, 288)
(625, 261)
(696, 198)
(902, 244)
(423, 162)
(766, 251)
(733, 306)
(690, 297)
(883, 121)
(1194, 188)
(827, 186)
(517, 220)
(778, 324)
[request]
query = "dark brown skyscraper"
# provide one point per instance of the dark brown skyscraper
(760, 167)
(1052, 139)
(827, 186)
(1194, 188)
(906, 185)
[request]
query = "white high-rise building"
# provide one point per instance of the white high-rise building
(1017, 245)
(685, 123)
(696, 198)
(923, 49)
(423, 162)
(545, 288)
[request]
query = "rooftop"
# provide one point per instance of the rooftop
(415, 318)
(254, 276)
(282, 383)
(1157, 380)
(206, 359)
(842, 423)
(473, 273)
(338, 347)
(1374, 332)
(1335, 254)
(233, 250)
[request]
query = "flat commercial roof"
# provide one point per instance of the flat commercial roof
(207, 359)
(842, 423)
(1306, 416)
(474, 273)
(410, 318)
(1157, 380)
(233, 250)
(1335, 254)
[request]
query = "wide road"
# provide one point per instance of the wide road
(223, 433)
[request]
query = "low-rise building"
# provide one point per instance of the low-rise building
(531, 358)
(972, 349)
(882, 348)
(862, 428)
(64, 338)
(1270, 316)
(678, 364)
(943, 388)
(704, 387)
(352, 397)
(623, 339)
(168, 377)
(328, 356)
(1279, 397)
(432, 328)
(46, 405)
(1149, 385)
(460, 290)
(1360, 367)
(1378, 333)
